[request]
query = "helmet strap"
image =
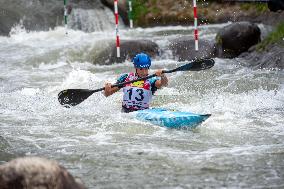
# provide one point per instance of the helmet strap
(136, 72)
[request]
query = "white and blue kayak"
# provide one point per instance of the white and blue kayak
(170, 118)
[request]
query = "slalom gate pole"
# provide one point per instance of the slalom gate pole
(130, 17)
(195, 25)
(116, 29)
(65, 17)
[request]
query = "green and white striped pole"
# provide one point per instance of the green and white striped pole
(65, 16)
(130, 17)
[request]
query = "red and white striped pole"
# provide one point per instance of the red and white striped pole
(195, 25)
(116, 29)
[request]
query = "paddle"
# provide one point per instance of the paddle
(73, 97)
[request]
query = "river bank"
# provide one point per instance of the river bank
(269, 53)
(149, 13)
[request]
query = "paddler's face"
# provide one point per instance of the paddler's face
(142, 72)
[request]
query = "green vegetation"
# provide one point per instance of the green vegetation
(139, 10)
(274, 37)
(155, 10)
(260, 7)
(147, 12)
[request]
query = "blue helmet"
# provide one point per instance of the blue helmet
(142, 60)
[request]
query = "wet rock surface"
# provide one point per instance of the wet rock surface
(38, 15)
(183, 49)
(128, 49)
(236, 38)
(36, 173)
(270, 58)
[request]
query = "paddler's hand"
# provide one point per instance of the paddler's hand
(163, 81)
(108, 90)
(159, 73)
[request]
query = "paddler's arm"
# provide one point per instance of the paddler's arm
(163, 82)
(110, 90)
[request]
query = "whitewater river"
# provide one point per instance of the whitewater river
(240, 146)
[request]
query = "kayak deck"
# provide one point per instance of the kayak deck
(170, 118)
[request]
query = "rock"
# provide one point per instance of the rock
(275, 5)
(122, 9)
(7, 20)
(183, 49)
(271, 58)
(35, 16)
(234, 39)
(38, 15)
(36, 173)
(128, 49)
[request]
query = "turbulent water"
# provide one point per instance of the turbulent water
(38, 15)
(240, 146)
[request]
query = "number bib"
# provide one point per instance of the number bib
(136, 98)
(137, 95)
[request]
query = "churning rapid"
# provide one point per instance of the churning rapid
(240, 146)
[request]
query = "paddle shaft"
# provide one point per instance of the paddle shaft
(186, 67)
(76, 96)
(127, 82)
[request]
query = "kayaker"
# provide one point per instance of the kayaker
(138, 95)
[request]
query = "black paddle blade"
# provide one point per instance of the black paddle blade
(202, 64)
(195, 65)
(72, 97)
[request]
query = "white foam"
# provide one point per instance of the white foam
(246, 105)
(29, 91)
(44, 66)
